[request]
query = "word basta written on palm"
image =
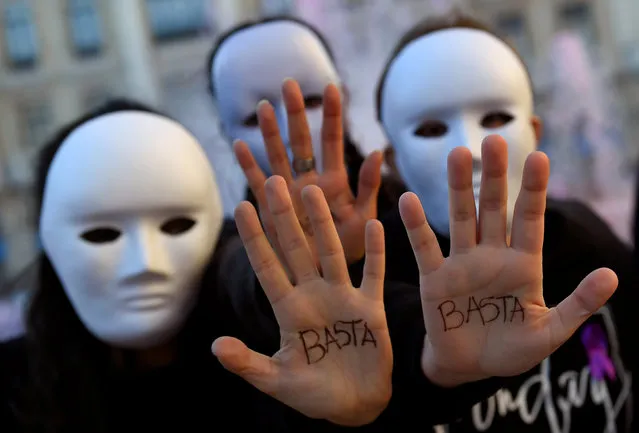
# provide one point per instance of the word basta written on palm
(483, 305)
(335, 358)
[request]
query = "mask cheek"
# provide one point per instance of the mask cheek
(88, 275)
(188, 254)
(521, 142)
(423, 166)
(253, 138)
(424, 157)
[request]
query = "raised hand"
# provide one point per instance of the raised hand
(335, 360)
(349, 212)
(483, 305)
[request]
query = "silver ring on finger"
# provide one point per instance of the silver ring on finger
(303, 165)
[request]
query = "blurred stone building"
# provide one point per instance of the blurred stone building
(59, 58)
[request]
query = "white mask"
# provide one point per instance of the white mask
(252, 64)
(120, 198)
(453, 88)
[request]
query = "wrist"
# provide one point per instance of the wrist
(442, 376)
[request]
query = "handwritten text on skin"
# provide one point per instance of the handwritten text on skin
(317, 344)
(487, 310)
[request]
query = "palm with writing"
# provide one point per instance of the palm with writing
(349, 212)
(483, 305)
(335, 359)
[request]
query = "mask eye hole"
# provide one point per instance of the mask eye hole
(313, 101)
(177, 226)
(251, 121)
(496, 119)
(431, 129)
(101, 235)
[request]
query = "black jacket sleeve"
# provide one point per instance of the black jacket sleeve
(12, 373)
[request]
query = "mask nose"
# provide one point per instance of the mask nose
(144, 257)
(470, 135)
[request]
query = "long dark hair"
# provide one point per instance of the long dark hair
(66, 364)
(352, 155)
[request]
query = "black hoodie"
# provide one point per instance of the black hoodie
(559, 395)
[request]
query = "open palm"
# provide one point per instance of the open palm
(335, 358)
(483, 305)
(349, 212)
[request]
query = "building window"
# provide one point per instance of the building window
(37, 122)
(579, 17)
(176, 19)
(278, 7)
(514, 29)
(85, 27)
(20, 35)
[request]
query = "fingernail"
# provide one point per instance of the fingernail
(263, 102)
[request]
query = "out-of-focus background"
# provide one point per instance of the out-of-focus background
(59, 58)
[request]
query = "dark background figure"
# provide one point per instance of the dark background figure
(59, 377)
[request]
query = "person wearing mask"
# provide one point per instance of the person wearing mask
(248, 64)
(451, 82)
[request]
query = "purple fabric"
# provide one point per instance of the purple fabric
(595, 341)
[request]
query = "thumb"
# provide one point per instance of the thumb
(591, 294)
(370, 180)
(255, 368)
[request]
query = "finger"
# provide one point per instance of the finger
(375, 261)
(267, 267)
(332, 131)
(462, 211)
(591, 294)
(422, 238)
(289, 231)
(343, 204)
(299, 132)
(252, 171)
(493, 195)
(257, 369)
(328, 243)
(370, 181)
(530, 208)
(275, 148)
